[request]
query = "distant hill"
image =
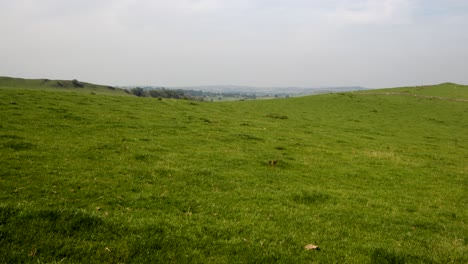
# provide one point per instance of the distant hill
(12, 82)
(190, 91)
(231, 92)
(269, 90)
(448, 91)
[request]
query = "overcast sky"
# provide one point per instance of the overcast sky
(309, 43)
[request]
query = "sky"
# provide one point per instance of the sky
(305, 43)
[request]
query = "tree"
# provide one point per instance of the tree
(138, 91)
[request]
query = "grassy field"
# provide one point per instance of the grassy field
(103, 178)
(445, 91)
(62, 85)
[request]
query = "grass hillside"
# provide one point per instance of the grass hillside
(369, 178)
(445, 91)
(66, 85)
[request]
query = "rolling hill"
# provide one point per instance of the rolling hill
(369, 177)
(67, 85)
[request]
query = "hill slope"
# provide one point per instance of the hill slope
(369, 178)
(445, 91)
(68, 85)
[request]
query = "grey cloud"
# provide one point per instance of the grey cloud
(256, 42)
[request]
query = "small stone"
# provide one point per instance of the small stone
(311, 247)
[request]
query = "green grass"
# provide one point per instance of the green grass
(98, 178)
(447, 91)
(62, 85)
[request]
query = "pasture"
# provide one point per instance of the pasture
(97, 177)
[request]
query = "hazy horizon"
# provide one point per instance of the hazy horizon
(257, 43)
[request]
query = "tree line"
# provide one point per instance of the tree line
(162, 92)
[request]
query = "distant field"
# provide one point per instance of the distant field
(91, 177)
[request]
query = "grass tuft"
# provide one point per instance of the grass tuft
(276, 116)
(310, 197)
(18, 145)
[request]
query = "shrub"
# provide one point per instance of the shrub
(77, 84)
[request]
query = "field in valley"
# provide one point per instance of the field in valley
(99, 176)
